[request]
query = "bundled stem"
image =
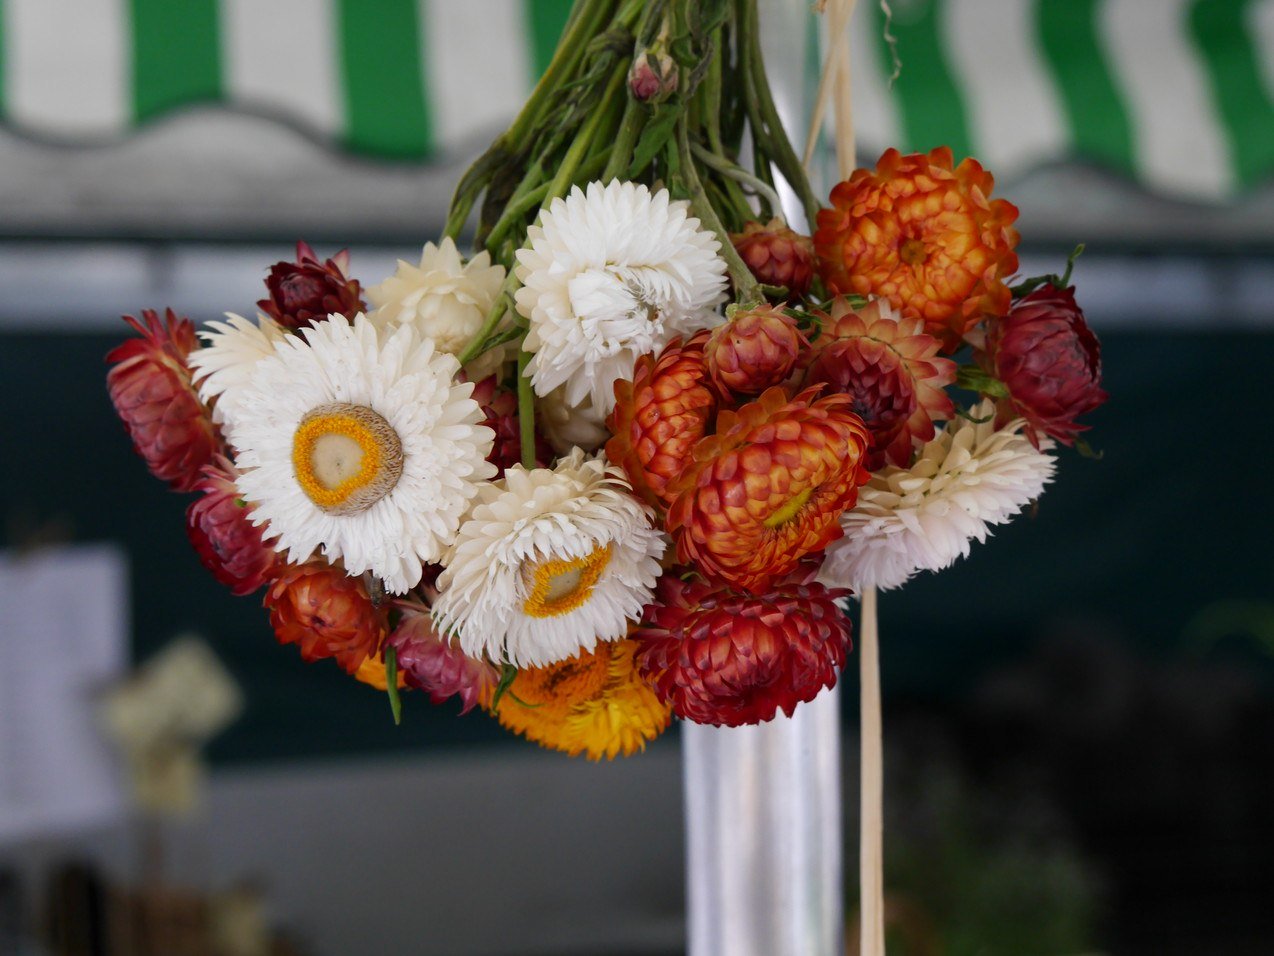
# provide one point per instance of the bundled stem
(583, 122)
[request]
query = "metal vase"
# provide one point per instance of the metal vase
(763, 827)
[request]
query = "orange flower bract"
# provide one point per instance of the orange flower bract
(769, 487)
(595, 703)
(659, 416)
(326, 612)
(925, 235)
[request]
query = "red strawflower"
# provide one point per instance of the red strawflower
(777, 255)
(309, 290)
(769, 487)
(659, 416)
(726, 657)
(227, 542)
(436, 664)
(1050, 361)
(501, 409)
(926, 236)
(891, 370)
(327, 613)
(151, 390)
(755, 350)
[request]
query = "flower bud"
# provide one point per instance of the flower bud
(1050, 361)
(653, 77)
(308, 290)
(777, 255)
(756, 349)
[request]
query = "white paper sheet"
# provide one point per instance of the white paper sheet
(64, 623)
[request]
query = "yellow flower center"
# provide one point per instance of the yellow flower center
(559, 587)
(912, 252)
(788, 510)
(346, 457)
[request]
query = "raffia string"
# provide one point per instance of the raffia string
(834, 85)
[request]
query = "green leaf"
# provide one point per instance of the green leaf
(973, 379)
(656, 135)
(1027, 286)
(1087, 451)
(507, 673)
(391, 684)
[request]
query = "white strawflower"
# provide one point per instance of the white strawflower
(549, 562)
(568, 426)
(922, 518)
(610, 274)
(445, 298)
(363, 445)
(223, 366)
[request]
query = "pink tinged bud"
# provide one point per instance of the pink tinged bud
(653, 77)
(220, 527)
(776, 255)
(1050, 361)
(436, 664)
(755, 350)
(151, 390)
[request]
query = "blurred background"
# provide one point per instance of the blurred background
(1079, 719)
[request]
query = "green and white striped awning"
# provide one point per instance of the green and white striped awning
(1177, 94)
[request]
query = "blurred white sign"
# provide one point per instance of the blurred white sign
(63, 639)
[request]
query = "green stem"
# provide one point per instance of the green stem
(746, 289)
(737, 173)
(630, 127)
(579, 148)
(767, 127)
(526, 411)
(391, 683)
(501, 306)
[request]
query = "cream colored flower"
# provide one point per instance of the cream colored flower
(569, 426)
(923, 518)
(549, 562)
(363, 446)
(223, 366)
(445, 298)
(610, 274)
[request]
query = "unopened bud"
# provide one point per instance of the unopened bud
(653, 77)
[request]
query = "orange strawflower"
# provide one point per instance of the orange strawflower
(659, 416)
(769, 486)
(327, 613)
(595, 703)
(924, 235)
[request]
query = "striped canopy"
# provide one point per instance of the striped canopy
(1177, 94)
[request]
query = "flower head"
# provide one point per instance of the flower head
(659, 416)
(220, 528)
(151, 389)
(327, 613)
(726, 657)
(308, 290)
(436, 664)
(568, 426)
(891, 370)
(755, 350)
(445, 298)
(777, 255)
(926, 236)
(595, 703)
(923, 518)
(365, 447)
(1050, 361)
(769, 487)
(548, 563)
(224, 365)
(608, 275)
